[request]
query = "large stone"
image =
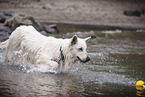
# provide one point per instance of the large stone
(18, 20)
(2, 18)
(131, 13)
(51, 29)
(7, 13)
(4, 33)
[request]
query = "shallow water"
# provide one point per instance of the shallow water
(117, 62)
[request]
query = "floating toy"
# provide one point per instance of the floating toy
(140, 87)
(140, 83)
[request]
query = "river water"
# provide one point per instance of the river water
(117, 62)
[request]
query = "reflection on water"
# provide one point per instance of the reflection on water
(117, 62)
(20, 84)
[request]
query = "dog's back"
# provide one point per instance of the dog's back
(27, 38)
(20, 39)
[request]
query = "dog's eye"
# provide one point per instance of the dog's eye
(81, 49)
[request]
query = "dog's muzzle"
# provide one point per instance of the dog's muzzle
(84, 61)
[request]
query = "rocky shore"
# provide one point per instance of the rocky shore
(91, 12)
(10, 21)
(101, 14)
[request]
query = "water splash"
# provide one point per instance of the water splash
(18, 60)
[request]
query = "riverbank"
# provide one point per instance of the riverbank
(104, 14)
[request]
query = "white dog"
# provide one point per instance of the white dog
(45, 52)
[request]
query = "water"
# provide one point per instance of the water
(117, 62)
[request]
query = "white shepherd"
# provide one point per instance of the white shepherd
(45, 52)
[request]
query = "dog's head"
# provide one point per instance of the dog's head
(78, 48)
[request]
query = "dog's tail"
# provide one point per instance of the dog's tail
(4, 44)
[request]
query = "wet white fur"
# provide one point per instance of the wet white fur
(44, 51)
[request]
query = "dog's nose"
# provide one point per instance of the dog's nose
(87, 59)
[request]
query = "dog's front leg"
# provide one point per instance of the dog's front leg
(47, 65)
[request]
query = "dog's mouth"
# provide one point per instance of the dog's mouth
(84, 61)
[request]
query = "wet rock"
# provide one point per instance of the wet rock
(4, 34)
(131, 13)
(5, 31)
(143, 11)
(52, 29)
(93, 37)
(7, 13)
(43, 7)
(9, 23)
(37, 0)
(47, 30)
(18, 20)
(2, 18)
(35, 24)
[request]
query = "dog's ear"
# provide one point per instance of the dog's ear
(74, 40)
(86, 39)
